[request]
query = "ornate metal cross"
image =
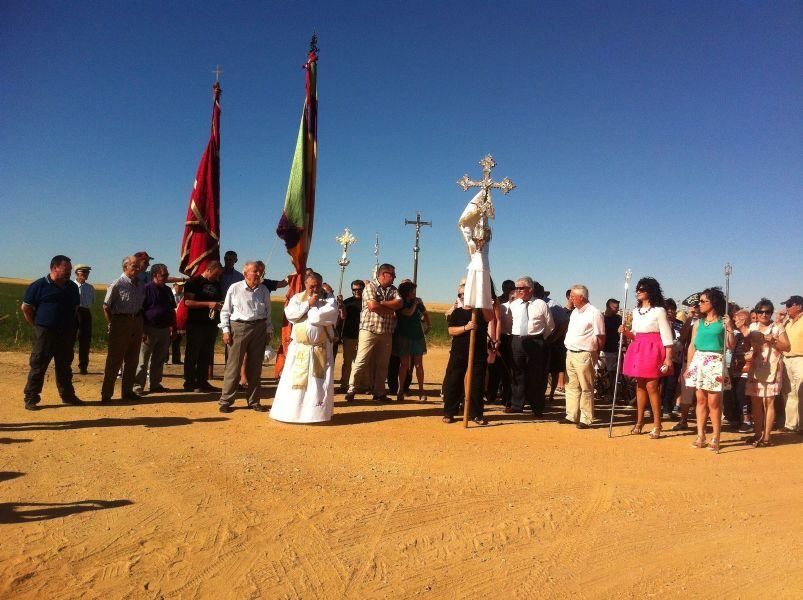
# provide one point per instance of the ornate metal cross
(486, 184)
(418, 224)
(217, 73)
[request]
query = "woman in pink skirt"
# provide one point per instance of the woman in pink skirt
(649, 356)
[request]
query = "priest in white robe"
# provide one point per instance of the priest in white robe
(306, 392)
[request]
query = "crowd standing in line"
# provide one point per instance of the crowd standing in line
(674, 357)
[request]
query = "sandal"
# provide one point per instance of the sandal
(637, 429)
(655, 434)
(714, 445)
(699, 443)
(680, 426)
(480, 421)
(448, 419)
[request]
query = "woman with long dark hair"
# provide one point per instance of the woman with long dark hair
(705, 371)
(649, 356)
(765, 374)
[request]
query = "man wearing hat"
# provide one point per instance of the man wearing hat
(84, 322)
(793, 363)
(143, 262)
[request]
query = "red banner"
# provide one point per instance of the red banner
(201, 241)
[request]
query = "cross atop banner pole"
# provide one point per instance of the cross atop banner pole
(418, 224)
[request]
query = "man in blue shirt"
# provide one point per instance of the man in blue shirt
(50, 306)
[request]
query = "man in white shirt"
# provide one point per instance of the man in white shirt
(245, 321)
(531, 324)
(84, 337)
(585, 337)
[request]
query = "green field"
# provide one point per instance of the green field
(16, 334)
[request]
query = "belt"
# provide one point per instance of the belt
(533, 337)
(139, 314)
(577, 351)
(254, 321)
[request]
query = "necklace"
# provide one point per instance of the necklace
(645, 312)
(707, 322)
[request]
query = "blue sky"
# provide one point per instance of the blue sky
(665, 137)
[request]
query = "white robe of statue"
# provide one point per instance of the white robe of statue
(315, 402)
(473, 224)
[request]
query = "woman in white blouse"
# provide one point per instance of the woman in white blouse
(649, 356)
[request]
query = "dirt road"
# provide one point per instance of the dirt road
(168, 498)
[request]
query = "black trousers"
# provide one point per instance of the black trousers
(55, 344)
(529, 372)
(499, 373)
(200, 353)
(175, 347)
(454, 389)
(84, 336)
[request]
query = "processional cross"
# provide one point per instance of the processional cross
(418, 224)
(473, 224)
(485, 204)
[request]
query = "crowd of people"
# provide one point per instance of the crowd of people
(739, 368)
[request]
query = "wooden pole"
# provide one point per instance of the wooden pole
(472, 340)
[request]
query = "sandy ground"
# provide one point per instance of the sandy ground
(168, 498)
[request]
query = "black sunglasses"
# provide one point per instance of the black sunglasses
(641, 289)
(763, 312)
(459, 295)
(521, 289)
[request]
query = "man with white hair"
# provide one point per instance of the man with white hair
(531, 324)
(585, 337)
(246, 324)
(123, 310)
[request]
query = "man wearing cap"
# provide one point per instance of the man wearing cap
(84, 322)
(793, 363)
(49, 306)
(122, 307)
(143, 262)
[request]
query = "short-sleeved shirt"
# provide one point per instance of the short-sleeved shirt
(159, 306)
(794, 331)
(55, 305)
(351, 324)
(460, 343)
(202, 290)
(374, 322)
(125, 296)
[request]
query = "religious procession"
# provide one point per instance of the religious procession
(739, 368)
(477, 300)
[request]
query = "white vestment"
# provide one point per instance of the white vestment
(473, 225)
(311, 400)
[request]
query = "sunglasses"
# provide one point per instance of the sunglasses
(521, 289)
(763, 312)
(356, 289)
(641, 289)
(705, 302)
(459, 295)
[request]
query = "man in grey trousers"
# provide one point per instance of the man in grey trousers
(246, 325)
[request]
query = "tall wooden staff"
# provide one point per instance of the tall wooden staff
(344, 240)
(628, 275)
(474, 223)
